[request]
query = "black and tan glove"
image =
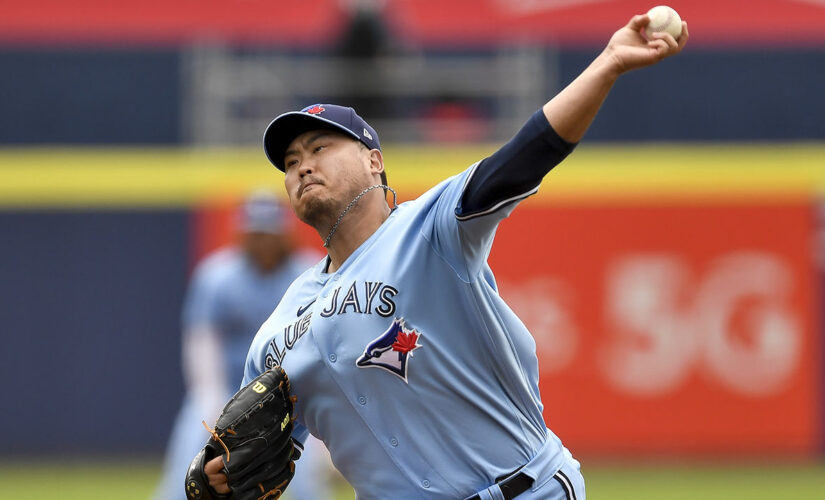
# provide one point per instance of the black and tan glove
(253, 435)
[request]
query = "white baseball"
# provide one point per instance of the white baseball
(663, 18)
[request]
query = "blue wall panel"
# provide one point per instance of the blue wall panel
(89, 307)
(133, 96)
(90, 96)
(713, 96)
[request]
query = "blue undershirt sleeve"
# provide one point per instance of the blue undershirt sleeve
(514, 171)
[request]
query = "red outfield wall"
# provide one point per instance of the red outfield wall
(311, 22)
(671, 328)
(668, 328)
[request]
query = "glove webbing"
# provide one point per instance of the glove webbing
(217, 437)
(274, 493)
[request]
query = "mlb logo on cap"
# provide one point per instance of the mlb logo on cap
(285, 128)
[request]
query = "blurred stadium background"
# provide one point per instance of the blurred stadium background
(672, 269)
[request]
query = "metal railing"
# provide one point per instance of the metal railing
(230, 96)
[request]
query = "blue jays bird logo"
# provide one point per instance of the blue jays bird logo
(392, 349)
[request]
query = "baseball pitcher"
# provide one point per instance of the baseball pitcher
(405, 360)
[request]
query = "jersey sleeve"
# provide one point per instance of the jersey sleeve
(515, 171)
(472, 204)
(202, 304)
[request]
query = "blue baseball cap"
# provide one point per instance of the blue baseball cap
(262, 212)
(286, 127)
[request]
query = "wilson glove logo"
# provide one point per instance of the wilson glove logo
(259, 388)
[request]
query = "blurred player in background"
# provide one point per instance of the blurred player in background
(232, 292)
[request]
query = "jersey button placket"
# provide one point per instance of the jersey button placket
(393, 442)
(425, 483)
(333, 358)
(362, 400)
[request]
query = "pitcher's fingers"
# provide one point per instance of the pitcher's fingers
(683, 38)
(667, 38)
(214, 474)
(213, 466)
(638, 22)
(660, 46)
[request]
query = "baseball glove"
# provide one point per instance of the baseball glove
(253, 435)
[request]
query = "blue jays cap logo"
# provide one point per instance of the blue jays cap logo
(314, 109)
(392, 350)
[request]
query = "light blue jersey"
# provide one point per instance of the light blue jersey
(230, 295)
(408, 364)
